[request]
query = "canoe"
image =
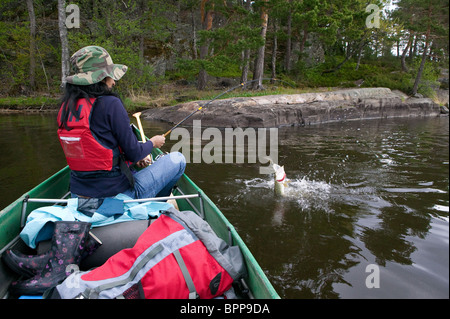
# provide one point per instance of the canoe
(13, 218)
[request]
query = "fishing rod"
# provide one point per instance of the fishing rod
(218, 96)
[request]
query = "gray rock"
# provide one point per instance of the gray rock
(298, 109)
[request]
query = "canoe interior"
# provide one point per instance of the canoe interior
(57, 186)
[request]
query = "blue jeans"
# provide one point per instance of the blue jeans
(159, 178)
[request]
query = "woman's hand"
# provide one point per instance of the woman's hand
(143, 162)
(158, 141)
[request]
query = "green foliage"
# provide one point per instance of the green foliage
(372, 74)
(218, 66)
(22, 102)
(429, 81)
(394, 80)
(136, 31)
(14, 57)
(185, 69)
(383, 72)
(120, 28)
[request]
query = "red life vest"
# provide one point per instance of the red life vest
(82, 150)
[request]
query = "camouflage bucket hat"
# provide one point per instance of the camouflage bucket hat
(92, 64)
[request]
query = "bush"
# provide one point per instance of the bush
(218, 66)
(395, 80)
(375, 73)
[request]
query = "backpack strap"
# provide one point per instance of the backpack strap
(187, 277)
(94, 293)
(125, 169)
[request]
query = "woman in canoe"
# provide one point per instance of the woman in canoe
(95, 134)
(98, 142)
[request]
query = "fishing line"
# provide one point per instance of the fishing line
(218, 96)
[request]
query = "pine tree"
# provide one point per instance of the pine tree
(429, 20)
(64, 41)
(32, 16)
(207, 17)
(258, 73)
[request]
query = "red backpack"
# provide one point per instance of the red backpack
(178, 256)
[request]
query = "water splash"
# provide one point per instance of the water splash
(308, 194)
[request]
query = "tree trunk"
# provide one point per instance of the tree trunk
(425, 53)
(246, 62)
(64, 41)
(422, 63)
(358, 62)
(246, 54)
(32, 44)
(303, 42)
(142, 8)
(274, 52)
(207, 21)
(403, 59)
(194, 37)
(413, 49)
(259, 62)
(287, 60)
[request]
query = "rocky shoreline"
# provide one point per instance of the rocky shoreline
(300, 109)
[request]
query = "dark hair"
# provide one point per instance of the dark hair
(75, 92)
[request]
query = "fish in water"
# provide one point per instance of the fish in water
(280, 179)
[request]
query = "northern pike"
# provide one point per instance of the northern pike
(280, 179)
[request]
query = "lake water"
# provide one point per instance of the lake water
(366, 213)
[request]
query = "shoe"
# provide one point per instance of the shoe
(26, 265)
(30, 265)
(68, 244)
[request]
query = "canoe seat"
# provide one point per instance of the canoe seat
(114, 238)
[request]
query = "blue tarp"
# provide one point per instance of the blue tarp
(39, 224)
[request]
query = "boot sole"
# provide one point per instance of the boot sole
(36, 290)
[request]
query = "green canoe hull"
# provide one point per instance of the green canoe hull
(12, 219)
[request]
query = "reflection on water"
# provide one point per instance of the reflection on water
(360, 193)
(30, 153)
